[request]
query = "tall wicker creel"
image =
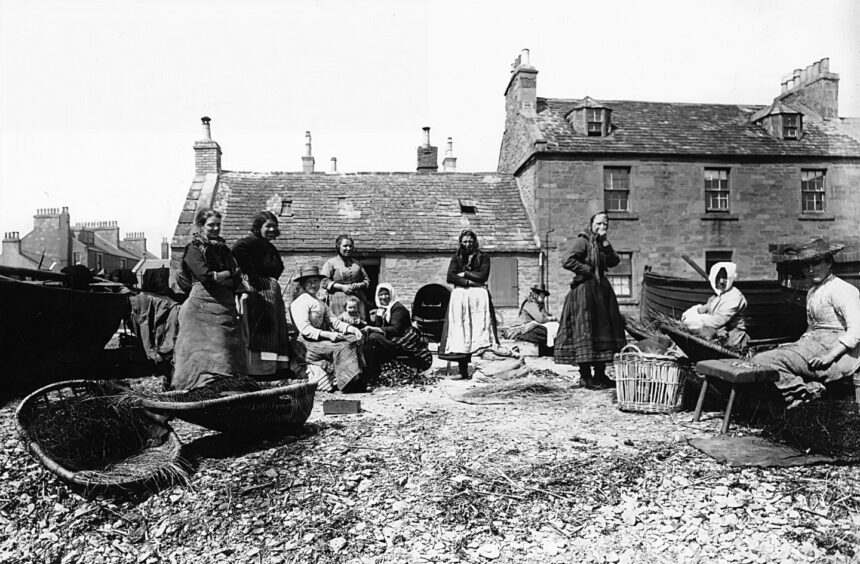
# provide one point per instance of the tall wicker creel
(279, 409)
(648, 383)
(81, 431)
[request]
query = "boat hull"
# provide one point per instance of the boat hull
(769, 318)
(44, 321)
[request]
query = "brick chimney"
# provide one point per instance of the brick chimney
(11, 248)
(308, 160)
(814, 87)
(165, 248)
(105, 230)
(207, 153)
(135, 243)
(428, 155)
(449, 164)
(52, 236)
(521, 93)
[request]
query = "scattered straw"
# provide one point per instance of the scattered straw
(523, 388)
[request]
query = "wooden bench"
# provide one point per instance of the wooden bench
(737, 373)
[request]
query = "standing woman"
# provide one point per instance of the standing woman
(591, 329)
(345, 277)
(470, 324)
(210, 344)
(264, 311)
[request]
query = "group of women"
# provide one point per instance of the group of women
(343, 341)
(234, 322)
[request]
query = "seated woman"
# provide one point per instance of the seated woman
(391, 334)
(535, 324)
(330, 347)
(721, 318)
(829, 350)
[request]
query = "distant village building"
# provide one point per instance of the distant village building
(712, 181)
(405, 224)
(55, 243)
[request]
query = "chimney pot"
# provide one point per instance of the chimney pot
(525, 58)
(334, 164)
(426, 136)
(308, 160)
(207, 132)
(825, 64)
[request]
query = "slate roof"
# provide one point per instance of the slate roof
(688, 129)
(384, 212)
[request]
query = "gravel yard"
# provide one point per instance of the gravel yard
(422, 476)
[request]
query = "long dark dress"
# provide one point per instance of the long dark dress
(210, 343)
(591, 327)
(268, 341)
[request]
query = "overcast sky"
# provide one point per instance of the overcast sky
(100, 100)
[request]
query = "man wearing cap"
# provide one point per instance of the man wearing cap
(829, 350)
(534, 323)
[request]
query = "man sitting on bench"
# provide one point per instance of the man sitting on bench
(829, 350)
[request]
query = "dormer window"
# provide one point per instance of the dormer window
(468, 207)
(590, 117)
(790, 126)
(594, 122)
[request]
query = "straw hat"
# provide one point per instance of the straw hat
(308, 272)
(815, 249)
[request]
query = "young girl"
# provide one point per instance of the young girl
(352, 313)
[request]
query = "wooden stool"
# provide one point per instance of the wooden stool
(735, 372)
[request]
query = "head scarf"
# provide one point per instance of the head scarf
(385, 310)
(594, 257)
(731, 275)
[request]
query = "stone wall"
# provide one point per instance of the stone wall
(667, 217)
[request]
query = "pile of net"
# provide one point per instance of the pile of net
(86, 433)
(831, 428)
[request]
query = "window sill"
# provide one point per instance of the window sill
(719, 216)
(622, 216)
(816, 217)
(628, 301)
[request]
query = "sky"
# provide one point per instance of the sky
(100, 101)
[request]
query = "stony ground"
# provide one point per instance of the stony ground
(422, 476)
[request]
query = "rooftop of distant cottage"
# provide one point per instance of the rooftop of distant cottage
(406, 212)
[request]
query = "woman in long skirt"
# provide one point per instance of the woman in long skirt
(591, 330)
(210, 345)
(264, 313)
(470, 323)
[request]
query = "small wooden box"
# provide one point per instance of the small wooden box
(737, 371)
(341, 406)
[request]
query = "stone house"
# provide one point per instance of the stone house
(55, 243)
(405, 224)
(711, 181)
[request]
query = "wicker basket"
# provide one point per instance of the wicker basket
(648, 383)
(84, 433)
(280, 409)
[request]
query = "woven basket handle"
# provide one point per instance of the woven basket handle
(631, 347)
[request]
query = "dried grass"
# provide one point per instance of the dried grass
(831, 428)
